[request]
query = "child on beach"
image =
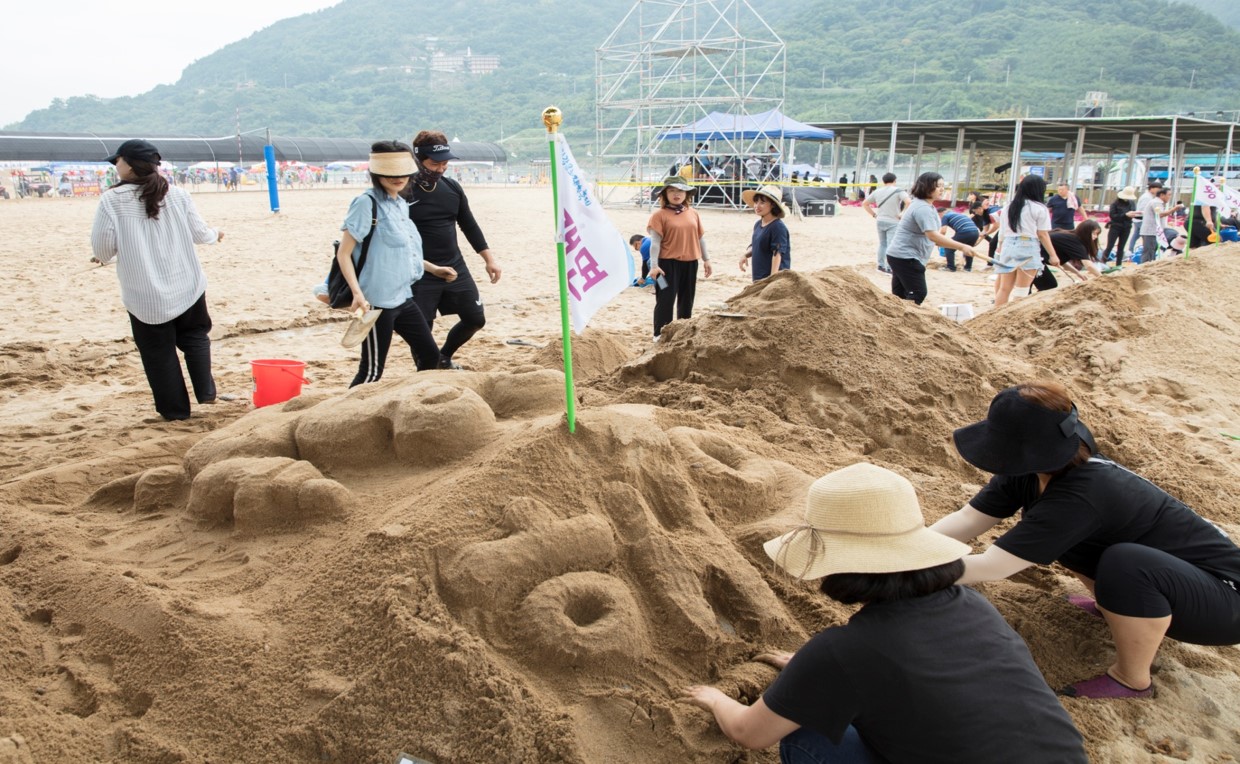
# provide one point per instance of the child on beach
(770, 248)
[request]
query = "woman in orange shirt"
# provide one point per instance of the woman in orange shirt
(677, 242)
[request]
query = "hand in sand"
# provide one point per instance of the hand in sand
(702, 696)
(777, 658)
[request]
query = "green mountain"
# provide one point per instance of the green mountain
(372, 67)
(1227, 10)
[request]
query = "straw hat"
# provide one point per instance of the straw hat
(1019, 437)
(862, 519)
(359, 326)
(768, 192)
(392, 164)
(1129, 193)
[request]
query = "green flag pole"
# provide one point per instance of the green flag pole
(552, 118)
(1192, 202)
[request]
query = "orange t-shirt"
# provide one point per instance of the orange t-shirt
(681, 234)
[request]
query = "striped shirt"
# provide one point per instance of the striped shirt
(155, 259)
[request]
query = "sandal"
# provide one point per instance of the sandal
(1085, 603)
(1105, 687)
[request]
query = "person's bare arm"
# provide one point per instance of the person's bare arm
(965, 524)
(992, 565)
(753, 727)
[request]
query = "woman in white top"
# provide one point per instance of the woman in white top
(1024, 231)
(150, 229)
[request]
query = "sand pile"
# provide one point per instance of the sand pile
(433, 564)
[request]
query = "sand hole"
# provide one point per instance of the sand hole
(582, 618)
(42, 615)
(587, 608)
(10, 555)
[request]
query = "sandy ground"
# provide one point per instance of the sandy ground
(432, 564)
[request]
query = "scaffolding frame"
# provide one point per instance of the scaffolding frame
(669, 63)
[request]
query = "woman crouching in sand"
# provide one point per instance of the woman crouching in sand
(926, 671)
(1155, 567)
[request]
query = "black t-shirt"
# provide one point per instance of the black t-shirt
(1067, 247)
(1096, 505)
(1062, 218)
(1119, 213)
(941, 678)
(437, 214)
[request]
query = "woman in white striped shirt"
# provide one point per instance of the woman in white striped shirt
(150, 229)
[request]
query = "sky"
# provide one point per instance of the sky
(93, 48)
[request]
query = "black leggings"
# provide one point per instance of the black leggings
(1117, 239)
(461, 297)
(1142, 582)
(407, 321)
(908, 278)
(681, 278)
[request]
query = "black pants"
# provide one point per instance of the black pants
(407, 321)
(434, 295)
(1143, 582)
(1201, 237)
(963, 238)
(681, 278)
(908, 278)
(1117, 239)
(158, 345)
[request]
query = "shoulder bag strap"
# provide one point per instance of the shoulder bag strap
(374, 222)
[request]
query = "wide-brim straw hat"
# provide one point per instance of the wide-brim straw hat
(1129, 193)
(1020, 437)
(675, 181)
(774, 193)
(862, 519)
(392, 164)
(359, 327)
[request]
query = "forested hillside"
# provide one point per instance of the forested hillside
(364, 67)
(1227, 10)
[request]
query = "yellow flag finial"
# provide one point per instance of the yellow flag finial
(552, 118)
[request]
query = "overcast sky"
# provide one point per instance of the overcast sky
(63, 48)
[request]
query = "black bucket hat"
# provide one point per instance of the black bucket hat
(1020, 437)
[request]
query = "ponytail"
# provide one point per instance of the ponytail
(153, 187)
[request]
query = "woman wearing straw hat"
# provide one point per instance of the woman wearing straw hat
(1121, 214)
(150, 228)
(1154, 566)
(677, 242)
(393, 263)
(771, 247)
(924, 672)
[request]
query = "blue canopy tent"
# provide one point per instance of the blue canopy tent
(718, 126)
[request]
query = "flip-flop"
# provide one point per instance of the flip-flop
(523, 343)
(359, 327)
(1104, 687)
(1085, 603)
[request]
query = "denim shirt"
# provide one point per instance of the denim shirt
(394, 258)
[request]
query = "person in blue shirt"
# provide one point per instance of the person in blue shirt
(393, 263)
(641, 245)
(965, 231)
(771, 248)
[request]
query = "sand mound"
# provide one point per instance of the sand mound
(435, 565)
(595, 353)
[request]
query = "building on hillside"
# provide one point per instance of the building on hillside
(463, 63)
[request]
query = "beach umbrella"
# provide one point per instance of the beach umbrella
(339, 166)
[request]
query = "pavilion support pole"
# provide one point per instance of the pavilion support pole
(1180, 160)
(956, 187)
(1172, 180)
(968, 173)
(1014, 170)
(921, 148)
(1130, 177)
(1106, 178)
(891, 147)
(856, 178)
(835, 158)
(1067, 157)
(1075, 172)
(1231, 131)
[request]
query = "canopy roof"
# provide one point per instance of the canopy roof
(1102, 134)
(718, 126)
(19, 146)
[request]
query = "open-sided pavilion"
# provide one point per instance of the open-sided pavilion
(1073, 138)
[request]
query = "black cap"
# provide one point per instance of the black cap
(1019, 437)
(136, 148)
(436, 153)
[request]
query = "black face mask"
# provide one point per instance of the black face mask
(428, 177)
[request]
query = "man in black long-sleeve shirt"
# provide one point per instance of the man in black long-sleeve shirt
(437, 206)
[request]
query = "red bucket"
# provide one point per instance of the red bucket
(276, 380)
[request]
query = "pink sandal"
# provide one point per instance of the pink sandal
(1085, 603)
(1104, 686)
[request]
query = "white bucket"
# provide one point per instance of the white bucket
(962, 311)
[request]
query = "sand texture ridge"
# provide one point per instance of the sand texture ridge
(434, 564)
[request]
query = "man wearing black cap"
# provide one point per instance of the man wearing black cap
(438, 205)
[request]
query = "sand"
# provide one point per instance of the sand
(433, 564)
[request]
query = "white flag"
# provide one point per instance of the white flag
(597, 258)
(1208, 194)
(1231, 197)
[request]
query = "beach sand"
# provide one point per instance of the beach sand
(433, 564)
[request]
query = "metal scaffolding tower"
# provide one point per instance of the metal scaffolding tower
(670, 63)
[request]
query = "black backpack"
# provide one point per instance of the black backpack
(339, 295)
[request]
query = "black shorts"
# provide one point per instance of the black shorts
(459, 297)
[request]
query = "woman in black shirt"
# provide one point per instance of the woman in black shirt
(437, 206)
(1121, 213)
(1155, 567)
